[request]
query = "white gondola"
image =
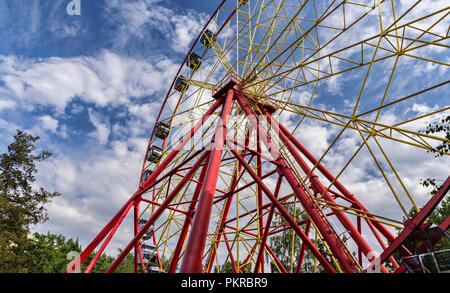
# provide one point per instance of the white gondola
(145, 175)
(154, 154)
(162, 130)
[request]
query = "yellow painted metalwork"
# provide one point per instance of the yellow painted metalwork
(284, 53)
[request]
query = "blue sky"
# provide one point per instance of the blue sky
(91, 85)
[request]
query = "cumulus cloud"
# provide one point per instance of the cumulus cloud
(6, 104)
(94, 182)
(122, 95)
(108, 79)
(49, 123)
(102, 129)
(137, 18)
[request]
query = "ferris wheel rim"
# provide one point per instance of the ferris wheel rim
(183, 64)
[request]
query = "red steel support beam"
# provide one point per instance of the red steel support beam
(335, 244)
(98, 239)
(260, 258)
(105, 243)
(285, 214)
(228, 199)
(303, 248)
(157, 213)
(136, 230)
(228, 194)
(230, 253)
(277, 261)
(319, 188)
(386, 233)
(192, 260)
(414, 223)
(187, 221)
(259, 196)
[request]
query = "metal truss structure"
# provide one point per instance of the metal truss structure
(229, 168)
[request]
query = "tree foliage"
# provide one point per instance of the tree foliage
(52, 254)
(21, 203)
(441, 125)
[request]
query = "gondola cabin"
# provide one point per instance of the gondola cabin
(430, 251)
(149, 233)
(154, 154)
(181, 84)
(149, 254)
(145, 175)
(162, 130)
(242, 3)
(208, 38)
(193, 61)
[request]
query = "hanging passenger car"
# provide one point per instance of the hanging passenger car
(431, 251)
(162, 130)
(145, 175)
(193, 61)
(149, 254)
(181, 84)
(154, 154)
(149, 233)
(208, 38)
(242, 3)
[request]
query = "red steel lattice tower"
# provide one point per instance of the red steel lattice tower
(226, 173)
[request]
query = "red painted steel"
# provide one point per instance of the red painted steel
(309, 205)
(285, 214)
(414, 223)
(157, 213)
(260, 259)
(187, 221)
(228, 199)
(106, 242)
(386, 233)
(303, 248)
(192, 260)
(319, 188)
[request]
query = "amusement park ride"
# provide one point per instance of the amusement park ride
(228, 167)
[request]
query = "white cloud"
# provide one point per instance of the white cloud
(49, 123)
(137, 18)
(102, 129)
(108, 79)
(94, 183)
(6, 104)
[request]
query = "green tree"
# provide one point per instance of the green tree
(21, 203)
(228, 268)
(50, 255)
(441, 125)
(49, 252)
(127, 265)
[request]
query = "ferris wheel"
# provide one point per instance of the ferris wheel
(277, 147)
